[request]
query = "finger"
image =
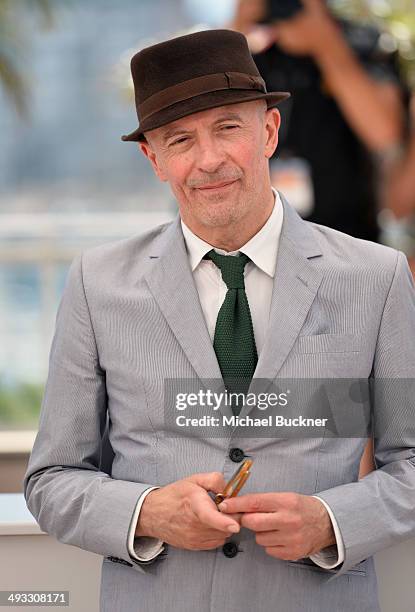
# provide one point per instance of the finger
(237, 516)
(285, 520)
(252, 502)
(260, 521)
(210, 481)
(207, 513)
(271, 538)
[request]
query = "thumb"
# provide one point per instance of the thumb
(207, 513)
(210, 481)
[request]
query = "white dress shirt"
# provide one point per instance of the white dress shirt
(259, 272)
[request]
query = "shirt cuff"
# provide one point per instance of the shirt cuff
(142, 548)
(332, 556)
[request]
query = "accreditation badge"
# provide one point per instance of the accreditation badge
(292, 176)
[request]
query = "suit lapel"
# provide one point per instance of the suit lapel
(296, 282)
(171, 282)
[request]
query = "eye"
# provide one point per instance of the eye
(229, 127)
(179, 141)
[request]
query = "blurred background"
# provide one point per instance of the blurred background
(346, 156)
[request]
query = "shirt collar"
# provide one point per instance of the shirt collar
(261, 248)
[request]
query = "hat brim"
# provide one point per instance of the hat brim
(212, 99)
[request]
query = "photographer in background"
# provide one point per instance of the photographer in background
(345, 112)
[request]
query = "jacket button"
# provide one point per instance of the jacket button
(236, 454)
(230, 549)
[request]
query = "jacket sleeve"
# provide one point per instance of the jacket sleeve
(379, 510)
(65, 489)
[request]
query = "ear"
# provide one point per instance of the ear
(272, 125)
(149, 152)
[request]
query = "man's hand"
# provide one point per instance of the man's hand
(307, 31)
(289, 525)
(184, 515)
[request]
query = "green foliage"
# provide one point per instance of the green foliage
(20, 405)
(396, 17)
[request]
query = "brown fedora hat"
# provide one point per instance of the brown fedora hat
(192, 73)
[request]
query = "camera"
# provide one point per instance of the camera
(282, 9)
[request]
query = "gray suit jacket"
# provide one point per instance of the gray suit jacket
(129, 318)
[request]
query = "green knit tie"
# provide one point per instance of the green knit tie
(234, 341)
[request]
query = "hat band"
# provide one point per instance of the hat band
(196, 87)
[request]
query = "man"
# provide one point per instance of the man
(237, 287)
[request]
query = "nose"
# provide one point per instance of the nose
(210, 154)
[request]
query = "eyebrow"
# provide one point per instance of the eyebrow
(230, 116)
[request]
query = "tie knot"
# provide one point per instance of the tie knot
(231, 266)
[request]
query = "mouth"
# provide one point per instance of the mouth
(217, 186)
